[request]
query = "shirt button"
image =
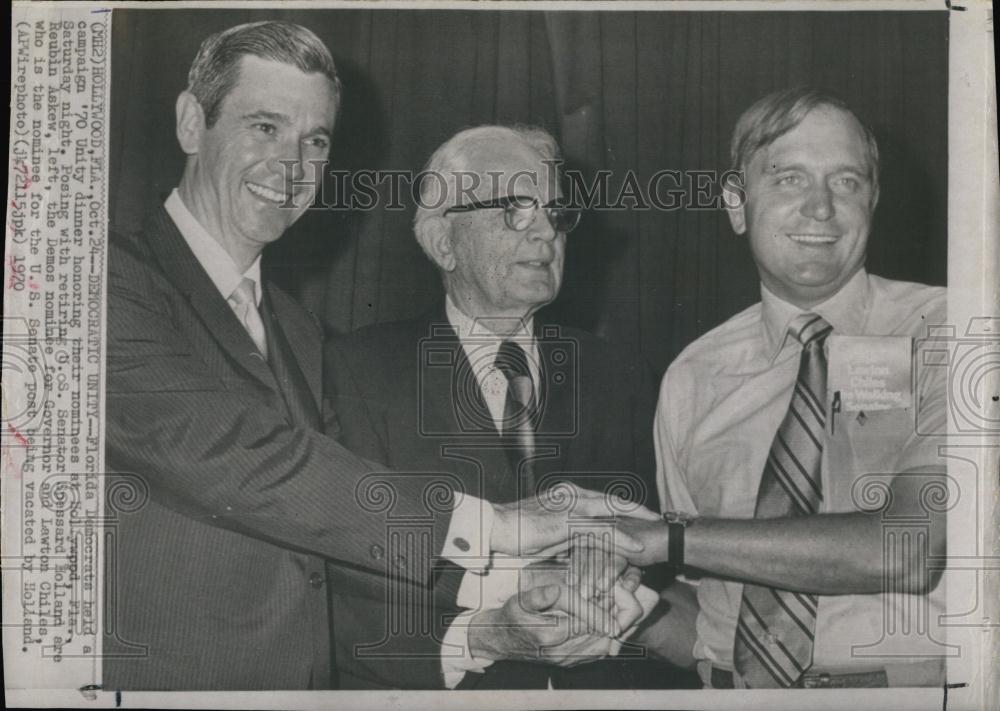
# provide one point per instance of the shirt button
(771, 639)
(399, 561)
(377, 552)
(461, 544)
(316, 580)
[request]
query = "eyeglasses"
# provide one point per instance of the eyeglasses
(519, 212)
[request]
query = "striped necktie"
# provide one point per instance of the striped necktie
(775, 629)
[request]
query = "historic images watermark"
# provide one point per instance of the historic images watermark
(971, 357)
(454, 424)
(386, 189)
(409, 610)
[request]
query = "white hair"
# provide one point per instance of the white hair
(464, 154)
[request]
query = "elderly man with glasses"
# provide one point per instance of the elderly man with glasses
(482, 389)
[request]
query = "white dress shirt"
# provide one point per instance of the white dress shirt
(721, 402)
(481, 346)
(215, 260)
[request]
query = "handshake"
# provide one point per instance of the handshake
(565, 588)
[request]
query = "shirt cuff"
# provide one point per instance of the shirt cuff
(490, 587)
(468, 540)
(458, 661)
(485, 589)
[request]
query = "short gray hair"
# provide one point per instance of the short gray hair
(463, 153)
(774, 115)
(215, 70)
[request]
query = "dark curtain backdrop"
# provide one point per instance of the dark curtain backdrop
(622, 91)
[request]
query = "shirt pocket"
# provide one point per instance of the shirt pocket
(863, 443)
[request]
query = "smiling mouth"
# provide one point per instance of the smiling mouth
(812, 239)
(537, 263)
(274, 196)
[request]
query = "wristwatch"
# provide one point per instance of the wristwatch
(676, 522)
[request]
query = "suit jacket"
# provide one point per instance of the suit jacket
(406, 394)
(227, 500)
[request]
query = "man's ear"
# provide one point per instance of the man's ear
(734, 197)
(190, 122)
(435, 236)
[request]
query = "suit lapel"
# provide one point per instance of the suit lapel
(189, 277)
(302, 338)
(557, 402)
(453, 404)
(300, 403)
(445, 369)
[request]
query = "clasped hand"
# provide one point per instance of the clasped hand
(580, 598)
(567, 610)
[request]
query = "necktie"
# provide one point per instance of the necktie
(519, 409)
(244, 303)
(775, 629)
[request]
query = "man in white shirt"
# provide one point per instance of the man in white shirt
(480, 388)
(214, 406)
(793, 439)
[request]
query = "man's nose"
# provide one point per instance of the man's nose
(288, 161)
(818, 203)
(541, 226)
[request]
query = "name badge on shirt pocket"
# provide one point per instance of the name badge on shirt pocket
(869, 373)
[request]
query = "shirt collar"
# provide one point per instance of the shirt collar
(216, 262)
(481, 345)
(846, 311)
(466, 326)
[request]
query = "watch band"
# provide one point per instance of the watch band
(675, 543)
(676, 523)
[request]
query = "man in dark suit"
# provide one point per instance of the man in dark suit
(216, 578)
(480, 388)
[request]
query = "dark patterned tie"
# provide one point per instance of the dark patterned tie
(519, 410)
(775, 629)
